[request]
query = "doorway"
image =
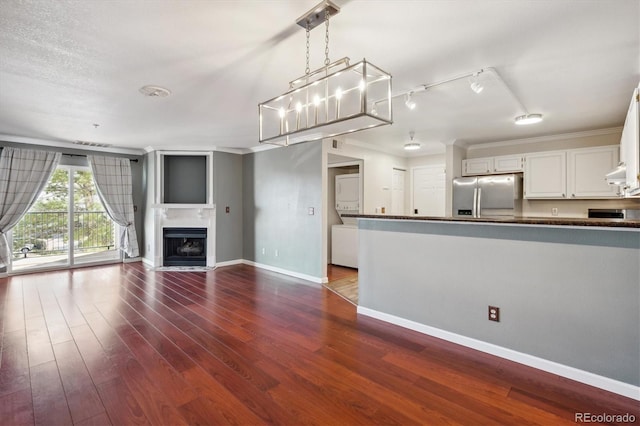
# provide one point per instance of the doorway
(67, 226)
(428, 190)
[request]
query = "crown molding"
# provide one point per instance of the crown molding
(550, 138)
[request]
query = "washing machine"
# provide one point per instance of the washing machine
(344, 236)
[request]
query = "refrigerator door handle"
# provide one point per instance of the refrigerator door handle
(479, 203)
(474, 210)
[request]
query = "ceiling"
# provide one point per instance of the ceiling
(66, 67)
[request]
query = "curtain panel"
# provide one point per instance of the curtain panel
(24, 173)
(112, 176)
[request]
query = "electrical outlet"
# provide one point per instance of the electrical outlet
(227, 209)
(263, 250)
(554, 211)
(494, 313)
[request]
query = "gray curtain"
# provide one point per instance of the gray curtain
(23, 175)
(113, 182)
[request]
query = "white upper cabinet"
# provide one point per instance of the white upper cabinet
(571, 174)
(477, 166)
(508, 164)
(630, 145)
(545, 175)
(490, 165)
(586, 169)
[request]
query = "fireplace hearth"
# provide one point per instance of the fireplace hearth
(184, 246)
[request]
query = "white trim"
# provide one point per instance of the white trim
(263, 147)
(556, 137)
(611, 385)
(69, 145)
(132, 259)
(148, 262)
(283, 271)
(229, 263)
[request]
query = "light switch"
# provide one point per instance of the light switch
(312, 211)
(227, 209)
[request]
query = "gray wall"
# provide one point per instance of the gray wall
(136, 176)
(227, 181)
(571, 296)
(279, 186)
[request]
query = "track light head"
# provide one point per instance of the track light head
(409, 102)
(475, 84)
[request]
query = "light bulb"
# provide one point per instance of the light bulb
(316, 100)
(298, 107)
(362, 85)
(281, 112)
(338, 93)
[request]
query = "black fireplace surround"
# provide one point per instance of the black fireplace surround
(184, 247)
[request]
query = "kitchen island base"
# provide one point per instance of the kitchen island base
(569, 296)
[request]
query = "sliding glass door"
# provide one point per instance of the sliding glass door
(66, 226)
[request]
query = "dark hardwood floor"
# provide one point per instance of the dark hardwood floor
(122, 345)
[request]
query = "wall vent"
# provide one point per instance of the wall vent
(93, 144)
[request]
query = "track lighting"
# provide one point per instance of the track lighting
(475, 84)
(409, 102)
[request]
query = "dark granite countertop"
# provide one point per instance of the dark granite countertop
(548, 221)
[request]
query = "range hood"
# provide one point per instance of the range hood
(617, 176)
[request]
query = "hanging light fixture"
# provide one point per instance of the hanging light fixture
(333, 100)
(411, 146)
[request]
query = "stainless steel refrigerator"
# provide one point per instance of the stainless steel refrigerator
(485, 196)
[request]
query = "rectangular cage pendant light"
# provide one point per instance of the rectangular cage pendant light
(336, 99)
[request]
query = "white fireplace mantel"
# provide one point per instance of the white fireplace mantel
(184, 216)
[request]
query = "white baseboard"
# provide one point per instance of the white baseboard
(284, 271)
(148, 262)
(230, 262)
(132, 259)
(611, 385)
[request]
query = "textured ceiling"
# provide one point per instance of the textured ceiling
(65, 66)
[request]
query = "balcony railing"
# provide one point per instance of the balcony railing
(47, 233)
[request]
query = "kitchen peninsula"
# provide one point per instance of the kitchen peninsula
(568, 290)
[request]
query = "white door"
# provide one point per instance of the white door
(428, 198)
(397, 192)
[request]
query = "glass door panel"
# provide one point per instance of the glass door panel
(66, 226)
(94, 233)
(41, 237)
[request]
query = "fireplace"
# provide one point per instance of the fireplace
(184, 246)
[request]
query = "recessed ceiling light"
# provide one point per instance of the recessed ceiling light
(154, 91)
(528, 119)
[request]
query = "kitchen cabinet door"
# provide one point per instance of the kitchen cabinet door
(545, 175)
(477, 166)
(507, 164)
(586, 169)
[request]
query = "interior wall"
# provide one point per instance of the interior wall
(279, 187)
(227, 184)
